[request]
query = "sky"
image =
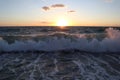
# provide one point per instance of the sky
(48, 12)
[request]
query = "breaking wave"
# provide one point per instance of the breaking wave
(110, 43)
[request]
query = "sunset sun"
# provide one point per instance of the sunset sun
(62, 23)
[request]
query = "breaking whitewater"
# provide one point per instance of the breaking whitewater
(50, 53)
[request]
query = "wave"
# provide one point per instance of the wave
(111, 43)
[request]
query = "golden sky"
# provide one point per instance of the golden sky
(50, 12)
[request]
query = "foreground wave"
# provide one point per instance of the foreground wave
(111, 43)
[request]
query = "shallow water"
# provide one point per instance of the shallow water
(59, 65)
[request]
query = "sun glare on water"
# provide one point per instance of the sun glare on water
(62, 23)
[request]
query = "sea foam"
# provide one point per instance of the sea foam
(111, 43)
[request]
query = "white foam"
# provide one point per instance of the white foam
(111, 43)
(1, 38)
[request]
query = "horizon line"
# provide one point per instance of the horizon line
(56, 26)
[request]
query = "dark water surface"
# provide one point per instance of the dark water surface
(60, 65)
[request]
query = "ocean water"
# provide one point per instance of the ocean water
(52, 53)
(91, 39)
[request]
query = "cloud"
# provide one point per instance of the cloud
(45, 22)
(46, 8)
(109, 1)
(71, 11)
(57, 5)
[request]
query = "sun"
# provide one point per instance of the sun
(62, 23)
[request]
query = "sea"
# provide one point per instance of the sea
(59, 53)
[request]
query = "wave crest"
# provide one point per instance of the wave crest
(111, 43)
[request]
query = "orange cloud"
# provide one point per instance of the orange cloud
(71, 11)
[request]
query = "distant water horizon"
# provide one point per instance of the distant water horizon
(59, 26)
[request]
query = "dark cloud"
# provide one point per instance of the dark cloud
(57, 5)
(71, 11)
(45, 22)
(45, 8)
